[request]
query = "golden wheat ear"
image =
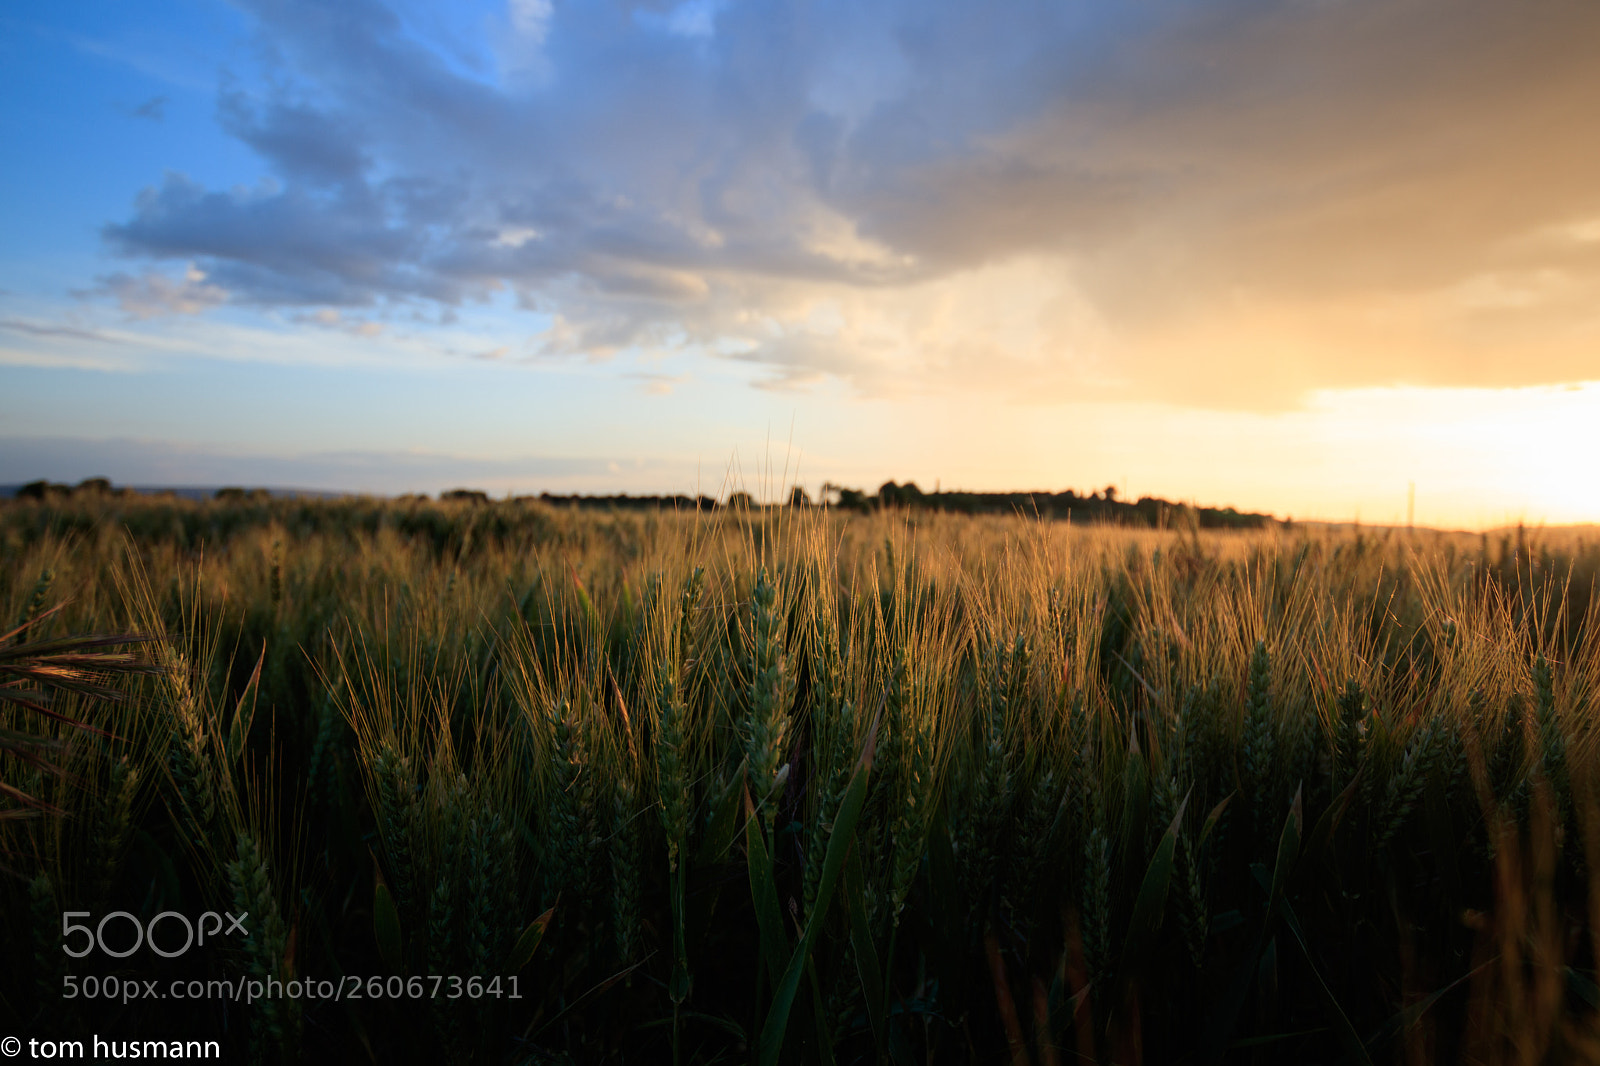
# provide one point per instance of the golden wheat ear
(34, 672)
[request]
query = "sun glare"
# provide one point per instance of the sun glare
(1479, 457)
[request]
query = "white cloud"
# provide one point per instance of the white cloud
(692, 19)
(515, 236)
(523, 48)
(531, 18)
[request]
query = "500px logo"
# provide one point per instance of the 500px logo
(95, 937)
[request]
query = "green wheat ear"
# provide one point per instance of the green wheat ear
(1349, 734)
(35, 604)
(275, 1021)
(771, 695)
(671, 769)
(1097, 903)
(1405, 787)
(275, 581)
(1259, 742)
(1552, 738)
(114, 824)
(627, 883)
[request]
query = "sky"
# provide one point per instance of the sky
(1295, 257)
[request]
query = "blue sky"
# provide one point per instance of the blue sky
(1285, 256)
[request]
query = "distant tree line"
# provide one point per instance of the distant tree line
(1068, 506)
(102, 487)
(44, 490)
(622, 501)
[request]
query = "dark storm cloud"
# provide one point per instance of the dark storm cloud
(1415, 170)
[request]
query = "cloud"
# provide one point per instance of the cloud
(658, 384)
(152, 294)
(287, 245)
(301, 142)
(60, 345)
(330, 318)
(154, 56)
(54, 330)
(1231, 203)
(153, 109)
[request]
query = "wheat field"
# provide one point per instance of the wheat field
(786, 785)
